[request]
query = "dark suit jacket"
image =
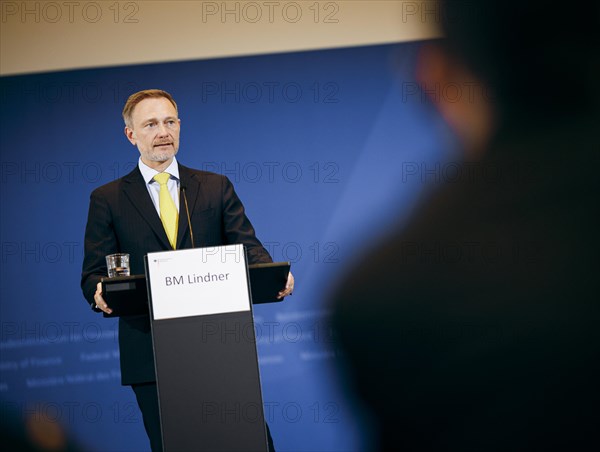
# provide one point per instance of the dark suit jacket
(475, 327)
(123, 219)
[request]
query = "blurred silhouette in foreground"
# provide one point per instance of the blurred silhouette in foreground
(475, 327)
(34, 429)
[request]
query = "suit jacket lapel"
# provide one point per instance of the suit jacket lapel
(190, 182)
(135, 189)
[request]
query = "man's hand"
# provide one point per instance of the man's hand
(100, 303)
(289, 287)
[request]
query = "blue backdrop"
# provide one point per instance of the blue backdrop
(326, 149)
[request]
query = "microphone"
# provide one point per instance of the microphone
(187, 211)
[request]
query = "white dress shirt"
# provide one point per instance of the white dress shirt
(154, 187)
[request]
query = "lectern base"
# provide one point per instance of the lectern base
(147, 398)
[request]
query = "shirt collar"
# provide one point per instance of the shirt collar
(149, 173)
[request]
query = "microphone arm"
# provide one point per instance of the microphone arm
(187, 211)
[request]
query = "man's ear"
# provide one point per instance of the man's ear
(130, 135)
(459, 96)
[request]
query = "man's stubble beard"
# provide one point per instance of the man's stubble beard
(161, 156)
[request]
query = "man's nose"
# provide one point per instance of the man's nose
(162, 130)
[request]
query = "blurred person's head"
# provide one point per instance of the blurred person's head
(520, 64)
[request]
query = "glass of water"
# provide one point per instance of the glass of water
(117, 264)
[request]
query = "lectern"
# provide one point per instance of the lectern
(205, 353)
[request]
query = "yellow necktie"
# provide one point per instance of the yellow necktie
(168, 211)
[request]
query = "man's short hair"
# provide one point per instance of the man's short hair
(136, 98)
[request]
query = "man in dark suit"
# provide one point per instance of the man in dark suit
(128, 215)
(475, 327)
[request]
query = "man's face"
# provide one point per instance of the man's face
(155, 131)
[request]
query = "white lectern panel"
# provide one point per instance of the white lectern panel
(198, 281)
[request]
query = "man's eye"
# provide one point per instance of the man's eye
(150, 124)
